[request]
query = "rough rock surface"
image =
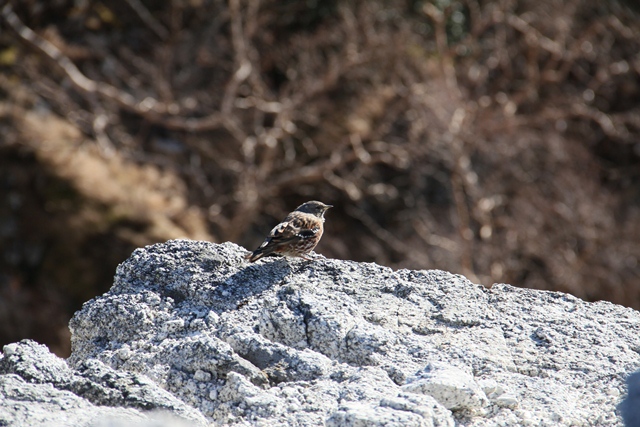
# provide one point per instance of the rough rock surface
(192, 329)
(39, 388)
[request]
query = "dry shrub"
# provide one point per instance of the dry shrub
(494, 139)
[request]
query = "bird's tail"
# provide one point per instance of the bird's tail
(255, 255)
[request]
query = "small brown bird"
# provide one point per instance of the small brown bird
(297, 235)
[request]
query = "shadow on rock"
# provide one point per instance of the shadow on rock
(251, 281)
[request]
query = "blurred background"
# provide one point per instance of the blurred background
(495, 139)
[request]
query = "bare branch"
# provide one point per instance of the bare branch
(149, 108)
(149, 20)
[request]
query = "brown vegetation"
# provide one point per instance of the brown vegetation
(499, 140)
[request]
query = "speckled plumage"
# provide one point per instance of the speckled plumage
(297, 235)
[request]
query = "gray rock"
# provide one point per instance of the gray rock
(33, 404)
(356, 414)
(454, 388)
(630, 406)
(41, 389)
(34, 362)
(339, 343)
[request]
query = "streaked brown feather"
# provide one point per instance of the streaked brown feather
(297, 235)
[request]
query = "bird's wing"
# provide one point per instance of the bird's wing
(290, 230)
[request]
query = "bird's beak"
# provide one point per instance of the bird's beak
(327, 207)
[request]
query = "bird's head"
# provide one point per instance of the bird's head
(314, 208)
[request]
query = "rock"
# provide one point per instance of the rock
(356, 414)
(32, 404)
(497, 393)
(40, 388)
(450, 386)
(193, 330)
(36, 364)
(630, 406)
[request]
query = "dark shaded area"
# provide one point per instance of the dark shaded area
(499, 141)
(629, 408)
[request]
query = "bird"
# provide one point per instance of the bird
(296, 235)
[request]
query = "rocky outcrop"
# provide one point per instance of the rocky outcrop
(39, 388)
(190, 329)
